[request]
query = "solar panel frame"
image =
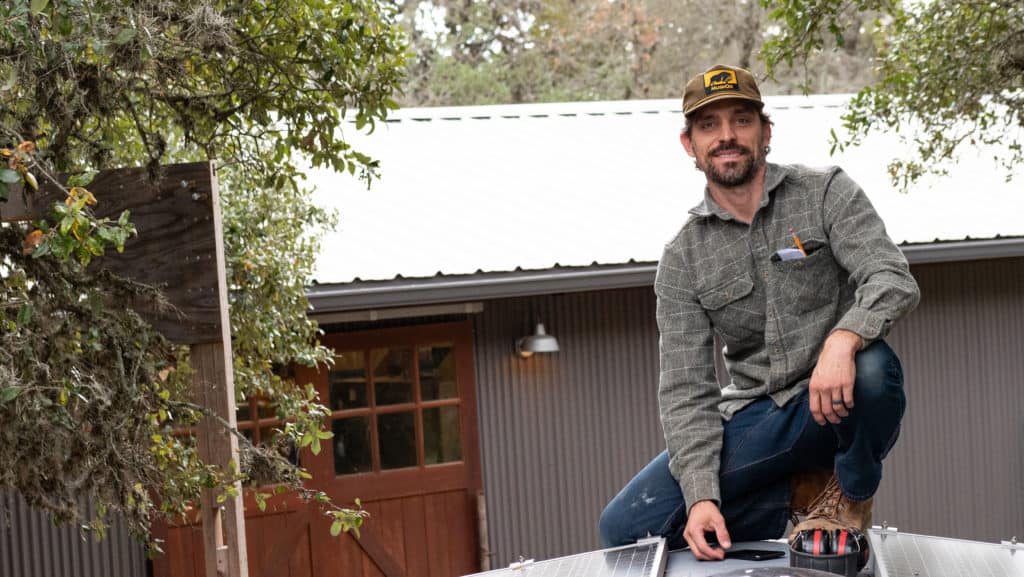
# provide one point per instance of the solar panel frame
(645, 558)
(896, 554)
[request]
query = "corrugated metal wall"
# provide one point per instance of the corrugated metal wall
(30, 546)
(958, 469)
(561, 433)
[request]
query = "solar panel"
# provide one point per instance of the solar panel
(908, 555)
(645, 558)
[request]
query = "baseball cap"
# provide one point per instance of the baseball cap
(717, 83)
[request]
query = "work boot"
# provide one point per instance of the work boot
(833, 510)
(804, 487)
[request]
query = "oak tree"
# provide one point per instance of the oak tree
(90, 396)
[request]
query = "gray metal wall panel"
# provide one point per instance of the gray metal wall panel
(958, 469)
(561, 433)
(30, 546)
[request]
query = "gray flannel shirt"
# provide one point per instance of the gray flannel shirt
(721, 276)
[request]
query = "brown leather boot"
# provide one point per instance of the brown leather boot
(804, 488)
(833, 510)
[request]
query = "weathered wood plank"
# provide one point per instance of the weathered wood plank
(213, 386)
(462, 542)
(437, 535)
(174, 249)
(414, 526)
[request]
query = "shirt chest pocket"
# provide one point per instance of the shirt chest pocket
(808, 283)
(732, 310)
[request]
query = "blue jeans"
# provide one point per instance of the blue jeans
(762, 447)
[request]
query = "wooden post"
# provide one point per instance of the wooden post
(213, 386)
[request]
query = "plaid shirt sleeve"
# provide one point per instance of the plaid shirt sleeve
(885, 288)
(688, 391)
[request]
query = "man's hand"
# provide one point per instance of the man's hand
(831, 389)
(705, 516)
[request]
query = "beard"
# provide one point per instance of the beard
(735, 173)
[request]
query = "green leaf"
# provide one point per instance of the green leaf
(8, 394)
(336, 528)
(25, 314)
(12, 79)
(83, 179)
(64, 24)
(9, 176)
(42, 250)
(38, 6)
(125, 36)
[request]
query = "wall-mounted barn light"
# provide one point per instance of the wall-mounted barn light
(539, 342)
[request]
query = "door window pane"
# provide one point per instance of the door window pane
(348, 382)
(397, 434)
(437, 372)
(352, 446)
(265, 409)
(392, 376)
(242, 412)
(441, 438)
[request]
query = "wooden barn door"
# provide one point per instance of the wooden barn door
(403, 413)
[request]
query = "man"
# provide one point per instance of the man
(793, 271)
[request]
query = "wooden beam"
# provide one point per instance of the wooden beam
(214, 387)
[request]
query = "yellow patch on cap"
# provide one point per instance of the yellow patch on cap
(719, 79)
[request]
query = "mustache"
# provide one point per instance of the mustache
(731, 146)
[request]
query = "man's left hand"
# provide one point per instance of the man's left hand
(831, 390)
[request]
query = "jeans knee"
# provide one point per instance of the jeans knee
(879, 375)
(612, 527)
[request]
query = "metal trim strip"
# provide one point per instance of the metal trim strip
(407, 292)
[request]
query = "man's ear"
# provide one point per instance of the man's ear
(687, 144)
(766, 138)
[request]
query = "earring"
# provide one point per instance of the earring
(767, 149)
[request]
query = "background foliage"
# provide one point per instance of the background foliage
(949, 72)
(88, 395)
(477, 52)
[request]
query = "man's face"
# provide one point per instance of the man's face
(727, 141)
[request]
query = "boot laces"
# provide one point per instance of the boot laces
(828, 503)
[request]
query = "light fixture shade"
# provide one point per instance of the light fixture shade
(539, 342)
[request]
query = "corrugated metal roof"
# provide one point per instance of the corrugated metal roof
(489, 189)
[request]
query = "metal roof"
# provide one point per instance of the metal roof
(584, 196)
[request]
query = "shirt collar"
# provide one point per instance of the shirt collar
(773, 177)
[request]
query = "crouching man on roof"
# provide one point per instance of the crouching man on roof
(792, 268)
